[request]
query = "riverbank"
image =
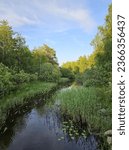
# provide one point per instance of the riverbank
(90, 106)
(25, 93)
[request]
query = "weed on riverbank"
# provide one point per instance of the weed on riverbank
(26, 92)
(90, 105)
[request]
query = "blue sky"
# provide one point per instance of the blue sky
(68, 26)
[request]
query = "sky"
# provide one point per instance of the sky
(67, 26)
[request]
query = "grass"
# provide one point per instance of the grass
(91, 105)
(25, 93)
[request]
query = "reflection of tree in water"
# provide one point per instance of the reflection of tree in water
(14, 123)
(52, 119)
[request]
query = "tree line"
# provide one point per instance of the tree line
(18, 64)
(96, 69)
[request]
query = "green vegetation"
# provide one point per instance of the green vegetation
(96, 69)
(70, 129)
(67, 73)
(50, 73)
(19, 65)
(25, 93)
(24, 73)
(10, 80)
(90, 105)
(90, 102)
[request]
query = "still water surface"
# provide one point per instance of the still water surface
(40, 128)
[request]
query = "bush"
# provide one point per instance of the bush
(50, 73)
(67, 73)
(5, 80)
(93, 77)
(79, 79)
(33, 77)
(21, 77)
(10, 80)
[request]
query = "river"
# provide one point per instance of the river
(40, 127)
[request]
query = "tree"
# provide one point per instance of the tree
(21, 54)
(103, 47)
(81, 65)
(6, 42)
(14, 52)
(50, 73)
(43, 55)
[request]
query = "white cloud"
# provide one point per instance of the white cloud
(59, 15)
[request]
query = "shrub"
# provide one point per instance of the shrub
(11, 80)
(33, 77)
(21, 77)
(93, 77)
(49, 73)
(67, 73)
(79, 79)
(5, 80)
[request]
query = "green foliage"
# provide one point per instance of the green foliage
(5, 80)
(89, 105)
(13, 50)
(26, 92)
(41, 55)
(103, 48)
(96, 77)
(96, 69)
(6, 42)
(79, 79)
(79, 66)
(49, 73)
(19, 65)
(99, 71)
(23, 77)
(11, 80)
(67, 73)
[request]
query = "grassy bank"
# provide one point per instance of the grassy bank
(91, 105)
(25, 93)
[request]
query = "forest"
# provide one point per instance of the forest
(25, 74)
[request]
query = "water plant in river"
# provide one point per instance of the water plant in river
(90, 105)
(72, 131)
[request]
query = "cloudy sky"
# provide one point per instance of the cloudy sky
(68, 26)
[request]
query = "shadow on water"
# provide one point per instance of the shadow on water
(41, 127)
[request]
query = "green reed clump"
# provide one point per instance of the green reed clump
(91, 105)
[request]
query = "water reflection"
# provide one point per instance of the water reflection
(40, 129)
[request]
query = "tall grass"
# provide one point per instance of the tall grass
(91, 105)
(25, 93)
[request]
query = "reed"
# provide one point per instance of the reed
(91, 105)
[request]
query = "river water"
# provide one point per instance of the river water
(40, 128)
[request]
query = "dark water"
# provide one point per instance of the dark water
(40, 128)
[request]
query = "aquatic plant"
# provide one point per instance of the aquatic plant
(90, 105)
